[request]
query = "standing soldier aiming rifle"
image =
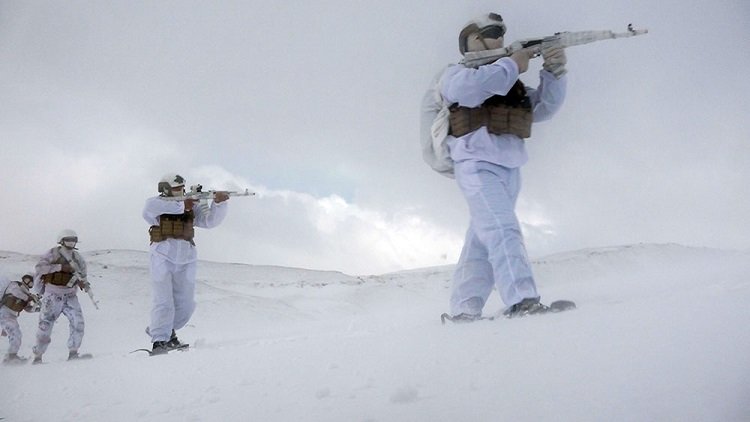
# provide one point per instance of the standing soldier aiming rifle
(491, 113)
(476, 116)
(172, 217)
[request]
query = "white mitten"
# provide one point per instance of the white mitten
(554, 59)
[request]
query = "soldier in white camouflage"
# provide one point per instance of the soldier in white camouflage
(174, 256)
(61, 271)
(16, 297)
(491, 115)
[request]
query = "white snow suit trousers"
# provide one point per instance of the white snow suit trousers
(54, 304)
(494, 254)
(173, 286)
(9, 324)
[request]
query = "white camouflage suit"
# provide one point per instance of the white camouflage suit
(173, 265)
(487, 169)
(58, 300)
(9, 317)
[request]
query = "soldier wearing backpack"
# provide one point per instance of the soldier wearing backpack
(490, 115)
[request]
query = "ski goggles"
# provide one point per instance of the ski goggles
(493, 32)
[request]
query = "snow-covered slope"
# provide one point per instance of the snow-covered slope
(660, 334)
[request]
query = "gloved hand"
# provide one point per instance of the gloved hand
(33, 306)
(554, 58)
(84, 285)
(521, 57)
(220, 197)
(189, 203)
(67, 268)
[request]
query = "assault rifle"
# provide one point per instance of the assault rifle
(86, 287)
(566, 39)
(196, 192)
(78, 278)
(37, 303)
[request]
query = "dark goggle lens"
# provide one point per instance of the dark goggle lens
(70, 239)
(493, 32)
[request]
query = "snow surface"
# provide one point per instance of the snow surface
(660, 334)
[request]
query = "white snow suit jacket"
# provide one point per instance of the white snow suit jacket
(18, 290)
(178, 251)
(470, 87)
(52, 262)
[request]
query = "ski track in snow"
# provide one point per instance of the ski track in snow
(659, 335)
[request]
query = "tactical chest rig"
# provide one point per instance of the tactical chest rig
(501, 114)
(14, 303)
(174, 226)
(58, 278)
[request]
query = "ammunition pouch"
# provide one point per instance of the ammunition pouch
(501, 114)
(14, 303)
(57, 279)
(499, 119)
(173, 226)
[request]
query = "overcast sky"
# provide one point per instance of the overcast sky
(315, 106)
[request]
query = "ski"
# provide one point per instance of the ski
(459, 320)
(554, 307)
(182, 348)
(561, 305)
(16, 362)
(82, 356)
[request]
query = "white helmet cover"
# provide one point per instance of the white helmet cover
(66, 234)
(169, 181)
(477, 24)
